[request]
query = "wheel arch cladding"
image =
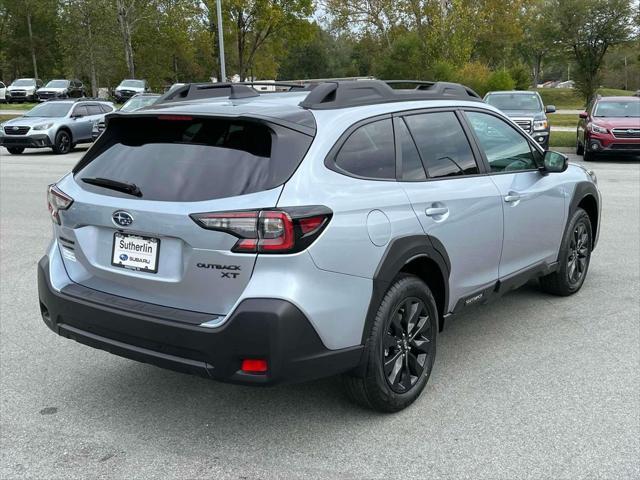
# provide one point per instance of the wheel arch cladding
(585, 196)
(420, 255)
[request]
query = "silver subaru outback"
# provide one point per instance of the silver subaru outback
(331, 229)
(55, 124)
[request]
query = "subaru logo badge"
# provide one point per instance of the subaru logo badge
(15, 128)
(124, 257)
(122, 218)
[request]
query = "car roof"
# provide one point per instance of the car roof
(286, 106)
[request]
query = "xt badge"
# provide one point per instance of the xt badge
(234, 273)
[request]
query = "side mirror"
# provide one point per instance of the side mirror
(555, 162)
(76, 115)
(584, 115)
(550, 109)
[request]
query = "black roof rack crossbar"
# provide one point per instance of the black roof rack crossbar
(234, 91)
(333, 95)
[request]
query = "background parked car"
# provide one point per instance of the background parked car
(61, 89)
(134, 103)
(610, 125)
(3, 92)
(128, 88)
(527, 110)
(23, 90)
(57, 124)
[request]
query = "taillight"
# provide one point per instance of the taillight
(286, 230)
(57, 200)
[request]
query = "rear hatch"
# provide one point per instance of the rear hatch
(140, 242)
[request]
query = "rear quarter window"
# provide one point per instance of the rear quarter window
(369, 152)
(193, 159)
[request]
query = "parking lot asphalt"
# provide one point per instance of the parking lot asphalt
(532, 386)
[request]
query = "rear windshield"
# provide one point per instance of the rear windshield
(184, 159)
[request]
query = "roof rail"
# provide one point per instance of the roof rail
(333, 95)
(237, 90)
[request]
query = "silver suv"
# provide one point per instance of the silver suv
(331, 229)
(527, 110)
(23, 90)
(57, 124)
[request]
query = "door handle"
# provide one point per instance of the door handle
(435, 211)
(512, 197)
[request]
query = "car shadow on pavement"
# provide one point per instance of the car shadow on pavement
(132, 392)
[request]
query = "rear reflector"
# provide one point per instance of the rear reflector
(287, 230)
(254, 365)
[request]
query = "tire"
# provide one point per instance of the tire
(62, 143)
(393, 375)
(574, 257)
(15, 150)
(589, 156)
(579, 147)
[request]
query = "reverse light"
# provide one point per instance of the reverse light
(254, 365)
(540, 125)
(269, 231)
(597, 128)
(57, 200)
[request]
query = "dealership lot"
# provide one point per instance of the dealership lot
(531, 386)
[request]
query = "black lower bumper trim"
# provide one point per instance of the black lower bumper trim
(31, 141)
(271, 329)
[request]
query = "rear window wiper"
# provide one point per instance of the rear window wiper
(130, 188)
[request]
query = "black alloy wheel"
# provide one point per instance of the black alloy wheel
(578, 254)
(407, 345)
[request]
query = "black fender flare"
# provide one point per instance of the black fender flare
(399, 253)
(582, 190)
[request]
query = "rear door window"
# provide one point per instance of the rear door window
(94, 110)
(193, 159)
(81, 111)
(412, 169)
(442, 144)
(369, 152)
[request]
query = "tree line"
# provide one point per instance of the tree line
(487, 44)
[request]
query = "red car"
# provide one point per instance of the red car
(611, 125)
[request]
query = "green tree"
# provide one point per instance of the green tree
(474, 75)
(539, 33)
(500, 80)
(588, 28)
(252, 24)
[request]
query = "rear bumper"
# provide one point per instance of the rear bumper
(270, 329)
(27, 141)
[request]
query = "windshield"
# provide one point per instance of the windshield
(24, 82)
(132, 83)
(138, 102)
(49, 109)
(58, 84)
(619, 108)
(515, 101)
